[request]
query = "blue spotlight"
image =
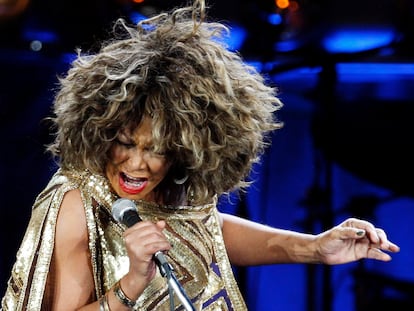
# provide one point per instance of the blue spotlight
(236, 38)
(44, 36)
(68, 58)
(287, 45)
(274, 19)
(136, 17)
(351, 40)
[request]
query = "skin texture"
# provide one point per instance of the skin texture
(132, 155)
(351, 240)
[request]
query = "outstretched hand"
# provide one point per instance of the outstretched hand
(352, 240)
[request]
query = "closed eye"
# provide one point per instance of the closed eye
(126, 144)
(152, 149)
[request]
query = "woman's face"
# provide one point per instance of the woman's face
(134, 169)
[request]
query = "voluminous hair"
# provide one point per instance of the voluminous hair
(211, 112)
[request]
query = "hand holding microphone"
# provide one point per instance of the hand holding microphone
(153, 241)
(148, 237)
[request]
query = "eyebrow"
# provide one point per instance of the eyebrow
(123, 135)
(127, 135)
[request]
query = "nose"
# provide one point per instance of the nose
(137, 159)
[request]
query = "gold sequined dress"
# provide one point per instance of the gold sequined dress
(198, 255)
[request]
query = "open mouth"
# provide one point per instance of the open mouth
(132, 185)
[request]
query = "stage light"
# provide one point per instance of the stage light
(282, 4)
(136, 17)
(354, 39)
(36, 46)
(44, 36)
(275, 19)
(287, 45)
(236, 38)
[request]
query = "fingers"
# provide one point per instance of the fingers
(377, 237)
(142, 241)
(362, 228)
(147, 238)
(375, 253)
(383, 241)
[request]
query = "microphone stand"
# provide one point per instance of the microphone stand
(167, 271)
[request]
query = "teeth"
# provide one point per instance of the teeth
(136, 182)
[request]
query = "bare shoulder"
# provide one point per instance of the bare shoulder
(71, 275)
(71, 227)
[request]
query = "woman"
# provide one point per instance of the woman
(164, 115)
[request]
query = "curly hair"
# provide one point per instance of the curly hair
(211, 112)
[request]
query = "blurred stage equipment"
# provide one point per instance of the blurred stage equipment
(365, 133)
(12, 8)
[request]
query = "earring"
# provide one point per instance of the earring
(180, 181)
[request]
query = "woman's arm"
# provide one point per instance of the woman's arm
(71, 277)
(250, 243)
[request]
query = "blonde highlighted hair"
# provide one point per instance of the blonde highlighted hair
(211, 111)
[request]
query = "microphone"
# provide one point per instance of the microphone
(125, 211)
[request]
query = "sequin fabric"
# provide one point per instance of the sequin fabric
(198, 254)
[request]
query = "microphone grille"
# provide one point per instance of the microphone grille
(120, 206)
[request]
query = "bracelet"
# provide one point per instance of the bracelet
(122, 298)
(103, 303)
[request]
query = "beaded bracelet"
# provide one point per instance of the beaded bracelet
(120, 295)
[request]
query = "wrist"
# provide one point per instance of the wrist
(125, 292)
(122, 297)
(317, 250)
(306, 249)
